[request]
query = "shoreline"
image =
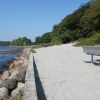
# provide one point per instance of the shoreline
(12, 56)
(14, 68)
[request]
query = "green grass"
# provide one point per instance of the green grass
(36, 46)
(91, 41)
(50, 44)
(20, 96)
(32, 50)
(43, 45)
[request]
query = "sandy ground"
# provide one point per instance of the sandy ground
(65, 75)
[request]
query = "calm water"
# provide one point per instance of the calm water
(6, 57)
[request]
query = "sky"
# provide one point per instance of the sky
(32, 18)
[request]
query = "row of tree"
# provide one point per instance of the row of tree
(17, 42)
(82, 23)
(4, 43)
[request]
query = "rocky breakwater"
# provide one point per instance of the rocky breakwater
(12, 80)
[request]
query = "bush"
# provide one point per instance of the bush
(36, 46)
(32, 50)
(93, 40)
(65, 39)
(56, 39)
(68, 36)
(20, 96)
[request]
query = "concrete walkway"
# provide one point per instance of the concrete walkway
(64, 74)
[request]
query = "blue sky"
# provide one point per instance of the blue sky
(32, 18)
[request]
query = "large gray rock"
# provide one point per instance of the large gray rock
(9, 83)
(21, 85)
(17, 91)
(3, 93)
(20, 77)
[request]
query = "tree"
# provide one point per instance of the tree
(82, 23)
(4, 43)
(38, 40)
(21, 42)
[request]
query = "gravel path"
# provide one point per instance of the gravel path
(65, 75)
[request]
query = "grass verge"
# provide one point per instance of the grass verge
(43, 45)
(91, 41)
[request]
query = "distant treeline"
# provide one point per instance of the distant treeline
(82, 23)
(4, 43)
(24, 41)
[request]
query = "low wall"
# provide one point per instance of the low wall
(30, 92)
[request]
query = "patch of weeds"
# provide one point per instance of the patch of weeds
(32, 50)
(20, 95)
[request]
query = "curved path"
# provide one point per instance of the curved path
(65, 75)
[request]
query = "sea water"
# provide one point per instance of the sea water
(6, 57)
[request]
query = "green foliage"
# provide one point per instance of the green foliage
(56, 40)
(38, 40)
(21, 42)
(45, 38)
(32, 50)
(66, 37)
(50, 44)
(94, 40)
(43, 45)
(36, 46)
(82, 23)
(20, 96)
(91, 19)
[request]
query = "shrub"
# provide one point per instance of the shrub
(32, 50)
(65, 39)
(56, 39)
(93, 40)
